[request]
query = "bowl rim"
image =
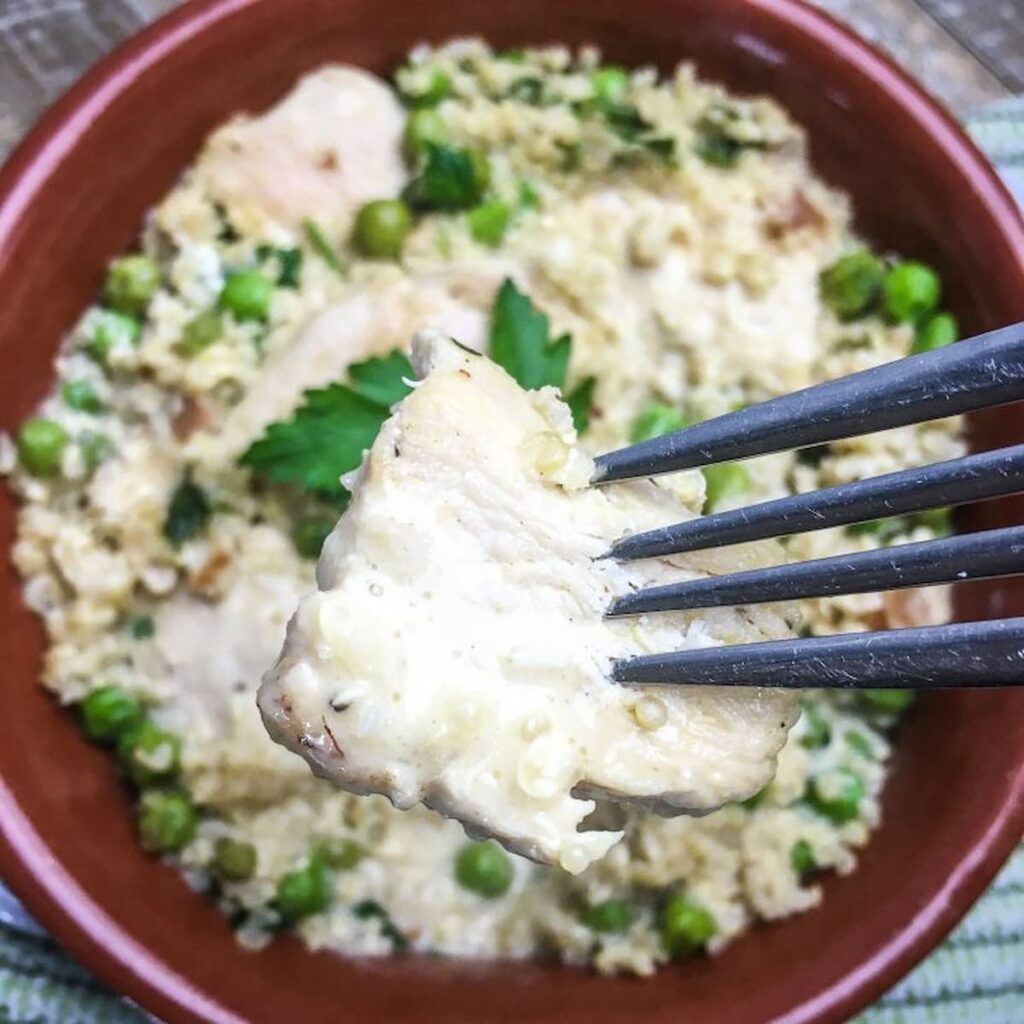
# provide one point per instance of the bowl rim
(50, 892)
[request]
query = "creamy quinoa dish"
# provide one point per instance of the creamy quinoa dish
(386, 324)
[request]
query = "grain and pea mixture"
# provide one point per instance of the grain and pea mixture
(665, 255)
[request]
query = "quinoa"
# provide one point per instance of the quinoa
(678, 234)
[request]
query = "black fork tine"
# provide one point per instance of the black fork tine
(923, 658)
(984, 371)
(971, 556)
(958, 481)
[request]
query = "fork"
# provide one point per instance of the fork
(978, 373)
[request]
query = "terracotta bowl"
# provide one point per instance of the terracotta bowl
(73, 196)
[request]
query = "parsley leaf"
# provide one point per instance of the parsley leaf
(624, 120)
(521, 341)
(382, 379)
(369, 910)
(288, 261)
(529, 90)
(722, 137)
(187, 514)
(580, 400)
(450, 179)
(627, 123)
(330, 431)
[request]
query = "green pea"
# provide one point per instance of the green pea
(657, 419)
(109, 712)
(937, 331)
(816, 732)
(148, 753)
(340, 853)
(309, 535)
(488, 222)
(912, 290)
(381, 228)
(234, 860)
(41, 445)
(246, 295)
(168, 820)
(131, 283)
(685, 925)
(201, 332)
(304, 891)
(610, 917)
(109, 330)
(885, 701)
(801, 858)
(420, 87)
(852, 285)
(484, 868)
(422, 128)
(81, 396)
(724, 482)
(837, 794)
(609, 83)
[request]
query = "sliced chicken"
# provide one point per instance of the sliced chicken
(456, 652)
(332, 144)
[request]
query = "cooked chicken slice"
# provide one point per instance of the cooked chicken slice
(456, 652)
(332, 144)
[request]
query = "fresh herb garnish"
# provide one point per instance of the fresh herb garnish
(383, 378)
(721, 137)
(521, 341)
(521, 344)
(627, 123)
(451, 178)
(330, 431)
(318, 241)
(289, 263)
(187, 514)
(580, 400)
(529, 90)
(142, 628)
(369, 910)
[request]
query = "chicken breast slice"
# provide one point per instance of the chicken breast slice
(332, 144)
(456, 653)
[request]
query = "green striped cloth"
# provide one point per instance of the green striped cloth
(975, 977)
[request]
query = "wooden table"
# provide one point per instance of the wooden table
(967, 52)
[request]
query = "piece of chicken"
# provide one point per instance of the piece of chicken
(456, 652)
(331, 145)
